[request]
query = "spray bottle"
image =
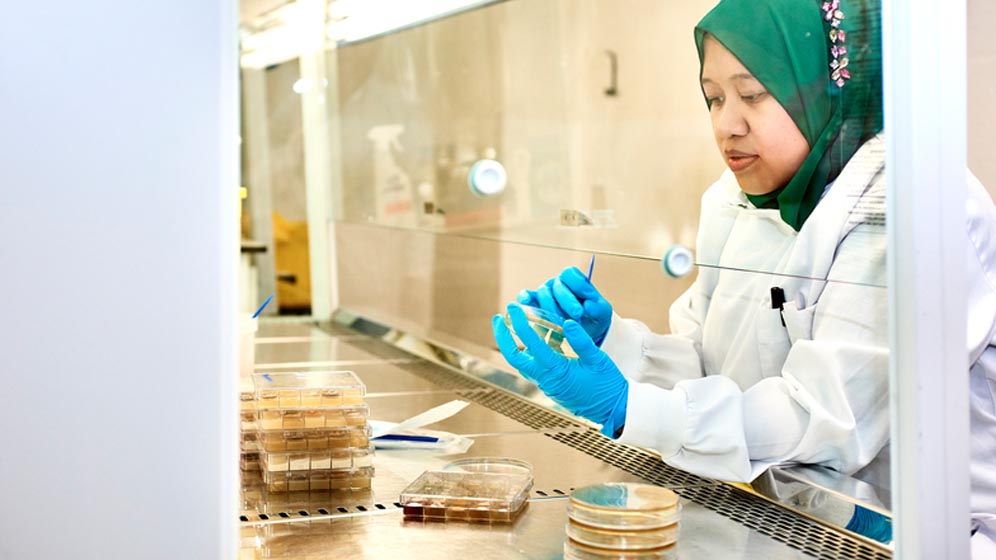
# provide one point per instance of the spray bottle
(393, 195)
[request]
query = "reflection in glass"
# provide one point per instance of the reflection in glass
(592, 159)
(828, 495)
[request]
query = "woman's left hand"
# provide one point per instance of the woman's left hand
(590, 385)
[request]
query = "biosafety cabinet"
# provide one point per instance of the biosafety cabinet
(446, 159)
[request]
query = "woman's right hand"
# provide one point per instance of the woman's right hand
(572, 296)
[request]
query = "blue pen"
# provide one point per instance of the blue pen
(591, 267)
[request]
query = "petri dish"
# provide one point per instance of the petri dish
(498, 465)
(624, 505)
(549, 327)
(466, 496)
(622, 539)
(576, 551)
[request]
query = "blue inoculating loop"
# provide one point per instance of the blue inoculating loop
(267, 377)
(262, 307)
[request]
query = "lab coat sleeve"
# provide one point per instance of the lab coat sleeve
(654, 363)
(981, 258)
(829, 406)
(663, 360)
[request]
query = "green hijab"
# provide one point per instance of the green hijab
(786, 45)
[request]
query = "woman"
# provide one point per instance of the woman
(779, 350)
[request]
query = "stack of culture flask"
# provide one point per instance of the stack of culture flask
(249, 459)
(312, 431)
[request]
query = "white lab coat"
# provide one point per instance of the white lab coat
(732, 391)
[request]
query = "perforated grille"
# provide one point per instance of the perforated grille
(629, 459)
(444, 378)
(523, 411)
(333, 509)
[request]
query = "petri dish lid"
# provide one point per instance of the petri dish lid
(630, 539)
(574, 550)
(307, 380)
(498, 465)
(469, 489)
(624, 505)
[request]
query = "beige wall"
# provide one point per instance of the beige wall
(649, 148)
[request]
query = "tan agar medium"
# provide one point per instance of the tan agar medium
(614, 539)
(577, 551)
(466, 496)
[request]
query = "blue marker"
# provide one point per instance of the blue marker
(405, 437)
(591, 267)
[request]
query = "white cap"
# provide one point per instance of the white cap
(487, 177)
(678, 261)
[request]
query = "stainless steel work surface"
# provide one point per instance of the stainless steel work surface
(557, 469)
(397, 377)
(717, 521)
(538, 533)
(381, 377)
(292, 328)
(474, 419)
(297, 353)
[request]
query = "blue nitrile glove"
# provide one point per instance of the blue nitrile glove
(572, 296)
(590, 385)
(871, 524)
